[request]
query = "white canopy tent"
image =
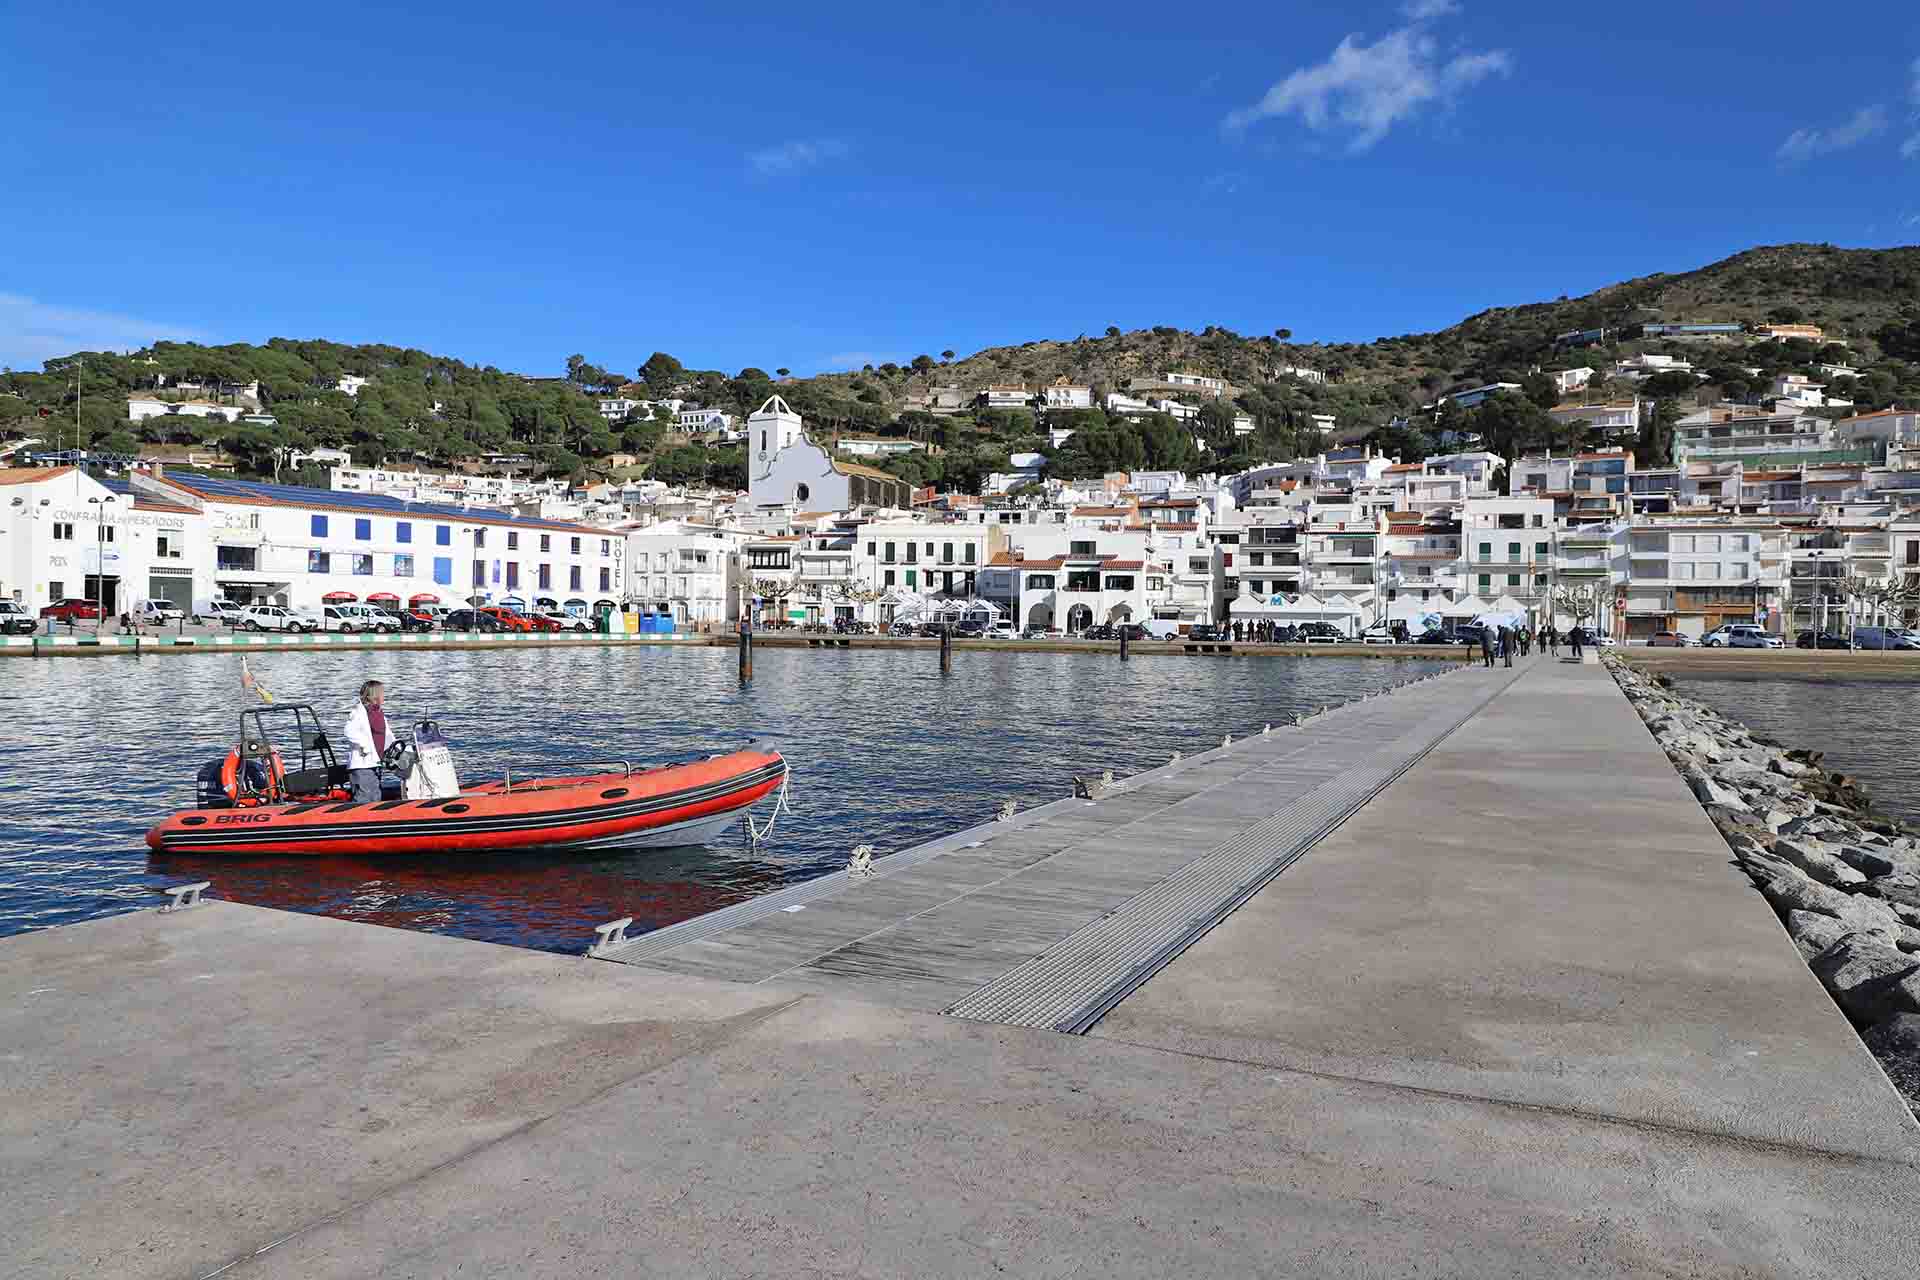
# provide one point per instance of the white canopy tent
(1256, 608)
(1471, 607)
(1419, 615)
(973, 607)
(1307, 608)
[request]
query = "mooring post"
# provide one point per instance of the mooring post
(946, 649)
(1123, 642)
(746, 648)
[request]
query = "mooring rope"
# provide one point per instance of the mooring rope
(757, 834)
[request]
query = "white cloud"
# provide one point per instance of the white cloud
(1366, 89)
(1425, 10)
(32, 332)
(1804, 144)
(796, 156)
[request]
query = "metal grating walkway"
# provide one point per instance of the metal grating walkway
(1037, 921)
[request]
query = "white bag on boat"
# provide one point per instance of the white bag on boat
(432, 776)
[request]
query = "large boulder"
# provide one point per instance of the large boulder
(1817, 860)
(1813, 932)
(1863, 915)
(1865, 859)
(1868, 979)
(1711, 792)
(1896, 1042)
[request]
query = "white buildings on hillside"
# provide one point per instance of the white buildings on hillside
(141, 408)
(1646, 364)
(696, 421)
(786, 470)
(1067, 395)
(350, 383)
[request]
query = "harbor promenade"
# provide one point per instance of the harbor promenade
(1510, 1013)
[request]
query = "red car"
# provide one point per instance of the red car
(508, 619)
(72, 610)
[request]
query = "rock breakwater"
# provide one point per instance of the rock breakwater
(1844, 879)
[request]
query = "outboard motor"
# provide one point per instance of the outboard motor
(207, 791)
(431, 775)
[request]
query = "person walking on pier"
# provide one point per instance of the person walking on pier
(367, 736)
(1486, 646)
(1506, 644)
(1574, 637)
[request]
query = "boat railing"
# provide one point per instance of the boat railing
(586, 770)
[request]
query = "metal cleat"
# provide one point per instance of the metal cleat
(1007, 810)
(612, 934)
(185, 895)
(860, 862)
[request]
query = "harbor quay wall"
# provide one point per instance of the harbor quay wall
(82, 645)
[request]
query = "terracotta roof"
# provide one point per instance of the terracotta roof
(872, 473)
(1178, 526)
(1170, 502)
(1124, 564)
(30, 475)
(1603, 455)
(1407, 466)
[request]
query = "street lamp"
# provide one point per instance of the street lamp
(100, 560)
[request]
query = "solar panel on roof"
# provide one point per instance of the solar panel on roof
(215, 486)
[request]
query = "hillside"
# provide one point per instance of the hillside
(438, 409)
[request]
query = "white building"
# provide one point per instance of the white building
(1199, 382)
(1067, 395)
(1647, 364)
(695, 421)
(1302, 373)
(285, 544)
(1566, 381)
(65, 534)
(1607, 419)
(878, 446)
(1472, 396)
(1006, 397)
(787, 470)
(139, 409)
(1072, 579)
(689, 572)
(351, 383)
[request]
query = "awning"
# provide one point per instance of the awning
(425, 597)
(576, 603)
(339, 597)
(384, 597)
(512, 602)
(546, 602)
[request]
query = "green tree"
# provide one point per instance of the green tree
(662, 373)
(1541, 389)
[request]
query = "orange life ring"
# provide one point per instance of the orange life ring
(230, 780)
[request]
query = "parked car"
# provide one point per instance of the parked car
(1717, 638)
(277, 617)
(1669, 640)
(971, 629)
(901, 629)
(568, 621)
(1041, 633)
(15, 620)
(1319, 633)
(1003, 629)
(1748, 636)
(1820, 640)
(1434, 635)
(434, 614)
(72, 610)
(469, 620)
(506, 619)
(349, 618)
(226, 611)
(1132, 631)
(405, 620)
(159, 612)
(1883, 638)
(1379, 633)
(1100, 631)
(1207, 632)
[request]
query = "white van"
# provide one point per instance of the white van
(349, 618)
(218, 611)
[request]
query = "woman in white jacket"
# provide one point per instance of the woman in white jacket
(367, 736)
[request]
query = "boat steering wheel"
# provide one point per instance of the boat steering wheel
(395, 752)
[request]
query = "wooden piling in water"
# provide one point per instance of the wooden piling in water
(746, 651)
(946, 649)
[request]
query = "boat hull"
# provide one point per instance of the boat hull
(654, 808)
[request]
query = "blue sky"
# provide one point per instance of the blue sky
(821, 186)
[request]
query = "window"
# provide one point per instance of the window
(479, 538)
(403, 566)
(1486, 551)
(606, 579)
(166, 547)
(606, 547)
(1485, 581)
(1081, 548)
(1539, 520)
(1120, 582)
(1540, 550)
(443, 569)
(1256, 558)
(1040, 581)
(946, 553)
(1708, 543)
(1683, 570)
(62, 532)
(1083, 580)
(546, 575)
(513, 540)
(887, 578)
(870, 547)
(912, 578)
(1709, 569)
(1513, 579)
(317, 526)
(1682, 544)
(1513, 552)
(57, 589)
(319, 562)
(363, 566)
(546, 542)
(573, 577)
(513, 573)
(363, 530)
(442, 536)
(402, 531)
(913, 553)
(479, 573)
(575, 548)
(106, 533)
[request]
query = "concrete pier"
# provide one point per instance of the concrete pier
(1516, 1016)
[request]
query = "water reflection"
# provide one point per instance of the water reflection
(884, 751)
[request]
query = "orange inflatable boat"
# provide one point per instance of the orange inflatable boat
(252, 802)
